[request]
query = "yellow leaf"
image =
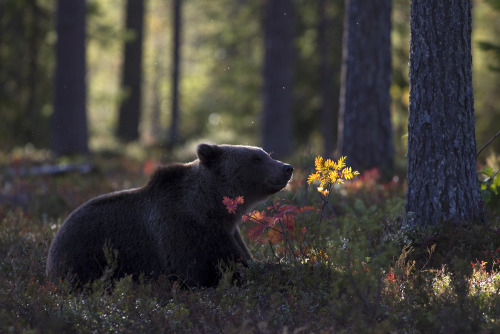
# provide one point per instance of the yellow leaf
(329, 164)
(318, 162)
(332, 176)
(323, 191)
(341, 164)
(313, 178)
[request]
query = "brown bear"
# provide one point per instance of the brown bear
(176, 225)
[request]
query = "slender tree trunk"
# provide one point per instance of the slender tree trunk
(34, 45)
(442, 176)
(329, 27)
(69, 121)
(365, 132)
(177, 19)
(276, 117)
(155, 122)
(130, 108)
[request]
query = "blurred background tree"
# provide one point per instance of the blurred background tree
(176, 55)
(220, 89)
(330, 30)
(27, 39)
(365, 132)
(69, 120)
(279, 54)
(131, 84)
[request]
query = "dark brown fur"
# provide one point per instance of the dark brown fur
(176, 225)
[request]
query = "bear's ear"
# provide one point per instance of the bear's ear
(209, 154)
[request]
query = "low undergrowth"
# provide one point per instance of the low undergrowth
(342, 261)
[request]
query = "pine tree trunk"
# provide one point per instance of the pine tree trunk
(174, 125)
(130, 108)
(365, 132)
(69, 120)
(329, 30)
(276, 117)
(442, 177)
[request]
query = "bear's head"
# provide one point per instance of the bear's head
(244, 170)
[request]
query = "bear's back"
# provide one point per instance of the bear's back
(109, 222)
(130, 221)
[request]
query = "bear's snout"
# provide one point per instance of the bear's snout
(288, 169)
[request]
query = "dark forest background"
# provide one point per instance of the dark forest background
(221, 94)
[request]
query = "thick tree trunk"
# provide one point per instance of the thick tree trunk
(130, 108)
(276, 117)
(69, 121)
(442, 177)
(365, 133)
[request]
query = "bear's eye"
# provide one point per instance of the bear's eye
(257, 158)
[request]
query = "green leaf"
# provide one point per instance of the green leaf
(497, 180)
(488, 170)
(486, 195)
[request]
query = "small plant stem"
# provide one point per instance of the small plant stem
(302, 255)
(287, 240)
(272, 250)
(495, 174)
(325, 202)
(262, 223)
(488, 143)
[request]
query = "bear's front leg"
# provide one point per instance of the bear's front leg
(241, 244)
(201, 265)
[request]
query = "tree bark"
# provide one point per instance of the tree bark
(365, 132)
(130, 108)
(69, 120)
(442, 177)
(276, 116)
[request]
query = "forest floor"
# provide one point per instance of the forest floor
(352, 265)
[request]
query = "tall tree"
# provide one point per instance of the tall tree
(329, 37)
(26, 72)
(69, 120)
(442, 177)
(276, 116)
(365, 133)
(177, 19)
(130, 108)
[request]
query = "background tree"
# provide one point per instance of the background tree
(130, 108)
(442, 178)
(26, 66)
(69, 120)
(329, 38)
(365, 133)
(278, 74)
(177, 21)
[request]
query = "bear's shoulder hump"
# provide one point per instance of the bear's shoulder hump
(170, 173)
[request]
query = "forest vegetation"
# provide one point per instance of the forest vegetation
(337, 251)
